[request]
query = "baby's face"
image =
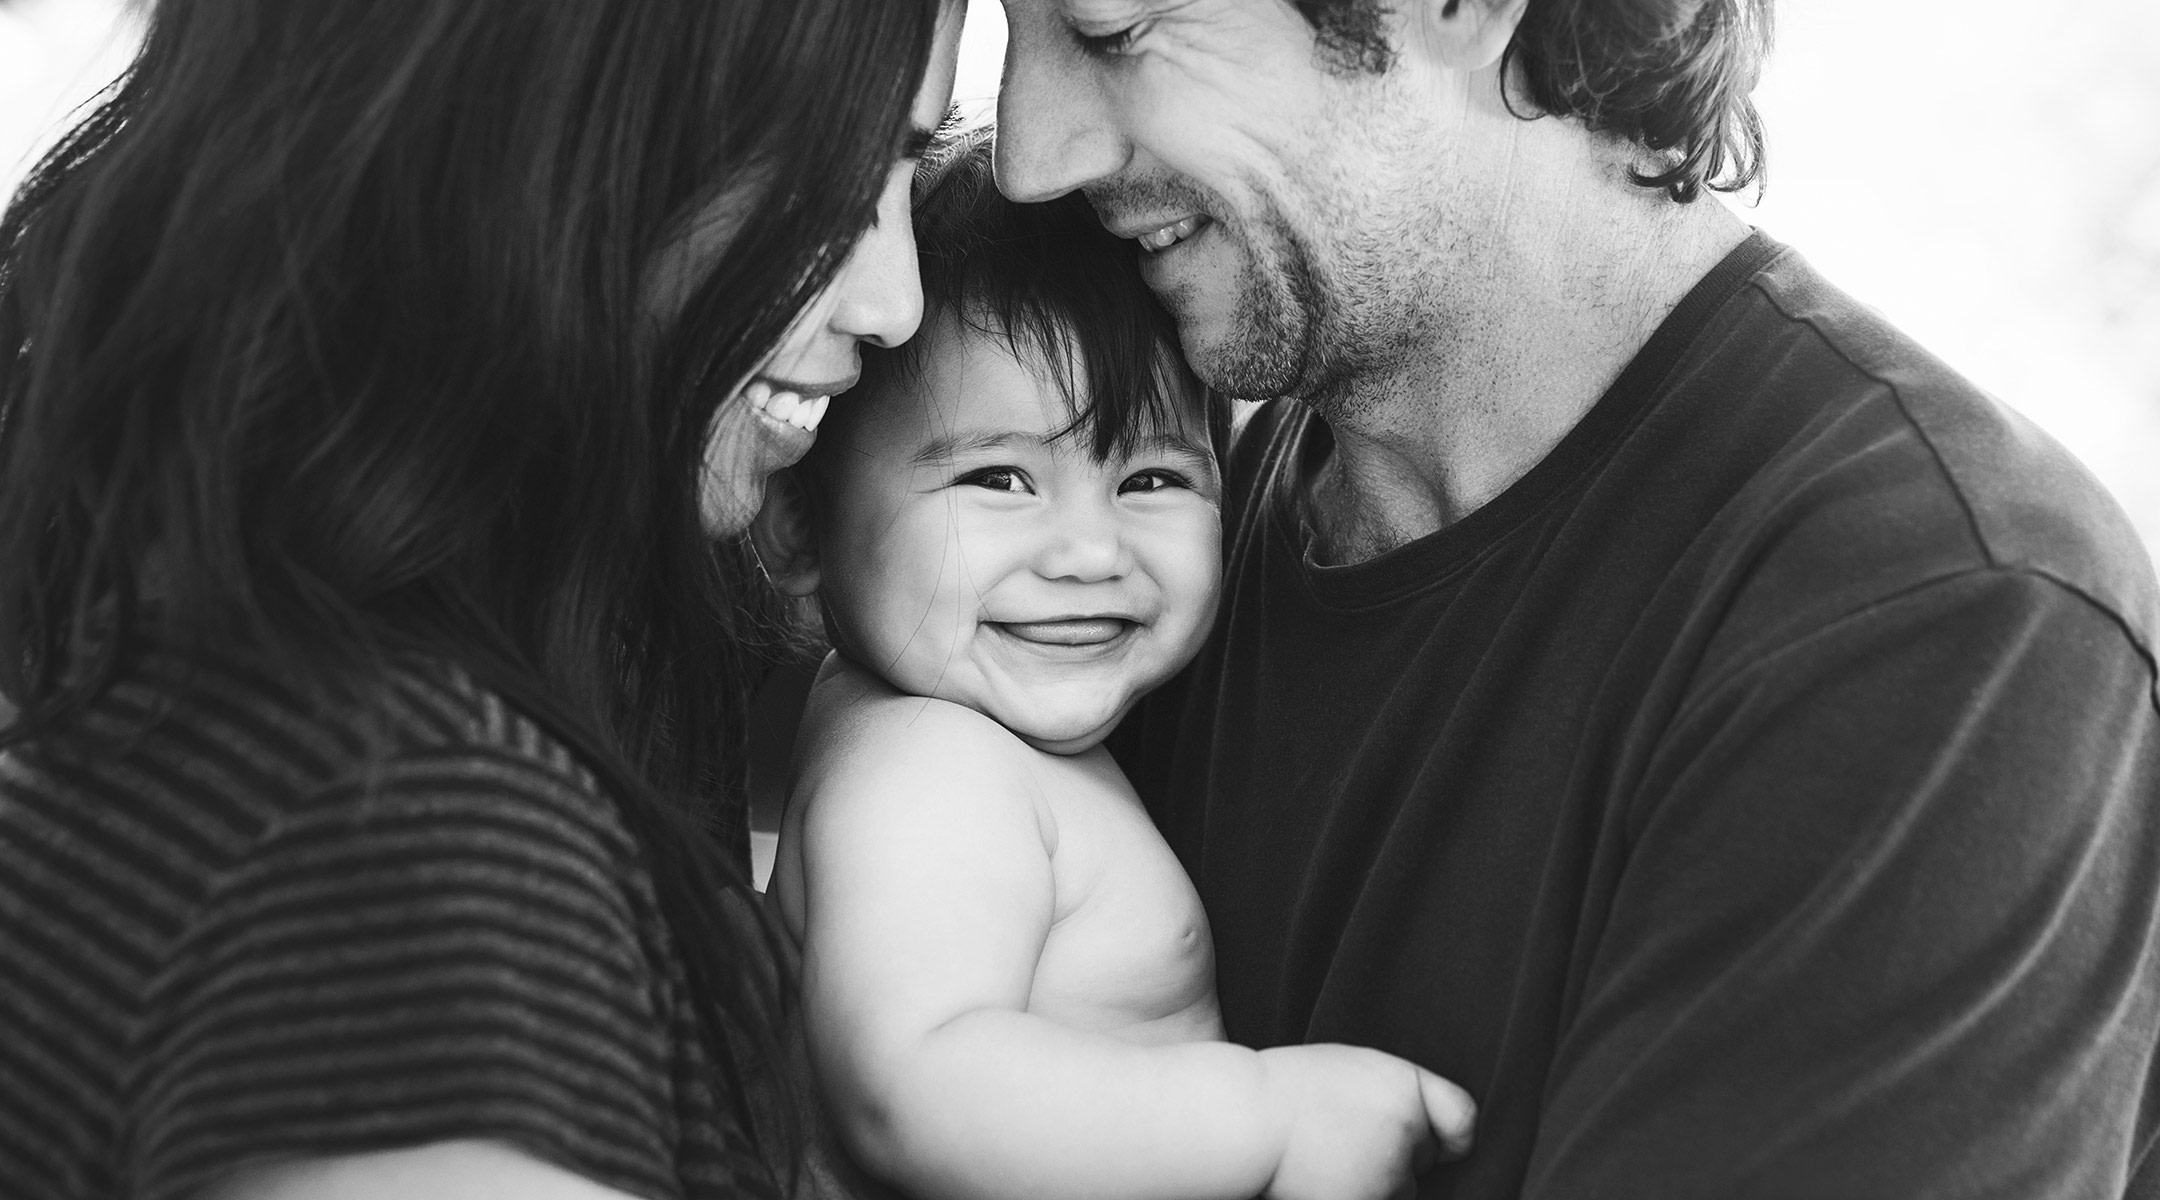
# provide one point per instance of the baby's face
(971, 555)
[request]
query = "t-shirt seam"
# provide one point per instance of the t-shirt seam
(361, 781)
(1897, 397)
(1758, 661)
(1986, 549)
(362, 785)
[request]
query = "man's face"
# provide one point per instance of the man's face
(1288, 207)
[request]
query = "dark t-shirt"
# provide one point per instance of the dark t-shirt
(253, 934)
(1761, 798)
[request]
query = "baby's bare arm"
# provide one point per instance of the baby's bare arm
(927, 896)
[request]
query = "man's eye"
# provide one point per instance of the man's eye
(1152, 481)
(1108, 45)
(996, 479)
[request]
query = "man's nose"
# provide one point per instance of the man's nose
(1056, 128)
(879, 289)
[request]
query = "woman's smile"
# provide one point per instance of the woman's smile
(794, 405)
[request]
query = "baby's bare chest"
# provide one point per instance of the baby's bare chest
(1129, 951)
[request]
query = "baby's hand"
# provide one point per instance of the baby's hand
(1360, 1124)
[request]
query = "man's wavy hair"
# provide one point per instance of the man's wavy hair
(1671, 76)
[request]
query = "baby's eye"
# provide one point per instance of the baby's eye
(1154, 479)
(996, 479)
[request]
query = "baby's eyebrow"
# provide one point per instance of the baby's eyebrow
(949, 445)
(1173, 443)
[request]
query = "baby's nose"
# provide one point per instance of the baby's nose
(1086, 546)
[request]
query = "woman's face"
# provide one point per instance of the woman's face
(770, 422)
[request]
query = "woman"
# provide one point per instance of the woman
(376, 374)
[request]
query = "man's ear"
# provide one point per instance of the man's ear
(1468, 35)
(785, 536)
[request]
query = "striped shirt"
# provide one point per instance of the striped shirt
(246, 933)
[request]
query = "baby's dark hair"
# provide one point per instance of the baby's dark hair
(1055, 287)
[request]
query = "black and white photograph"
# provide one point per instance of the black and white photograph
(1079, 600)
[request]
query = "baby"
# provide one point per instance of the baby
(1012, 530)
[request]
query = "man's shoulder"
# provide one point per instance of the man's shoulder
(2032, 504)
(1888, 468)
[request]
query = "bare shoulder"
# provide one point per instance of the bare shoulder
(862, 742)
(883, 780)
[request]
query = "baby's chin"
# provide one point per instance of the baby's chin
(1074, 727)
(1066, 746)
(1062, 734)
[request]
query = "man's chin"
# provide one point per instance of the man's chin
(1234, 338)
(1231, 360)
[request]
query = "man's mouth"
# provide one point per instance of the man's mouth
(789, 406)
(1155, 241)
(1069, 631)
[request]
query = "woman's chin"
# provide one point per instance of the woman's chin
(744, 450)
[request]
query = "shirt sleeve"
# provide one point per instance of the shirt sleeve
(1887, 925)
(452, 948)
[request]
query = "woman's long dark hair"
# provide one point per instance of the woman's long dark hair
(325, 339)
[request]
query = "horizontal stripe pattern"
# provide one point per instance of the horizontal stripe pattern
(242, 929)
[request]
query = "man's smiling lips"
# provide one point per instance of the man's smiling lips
(1156, 237)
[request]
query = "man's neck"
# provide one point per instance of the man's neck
(1582, 272)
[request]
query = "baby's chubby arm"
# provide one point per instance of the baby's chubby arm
(925, 899)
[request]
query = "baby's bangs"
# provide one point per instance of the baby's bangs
(1057, 290)
(1119, 379)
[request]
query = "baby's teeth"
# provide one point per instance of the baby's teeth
(759, 393)
(784, 405)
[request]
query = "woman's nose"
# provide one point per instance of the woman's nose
(879, 292)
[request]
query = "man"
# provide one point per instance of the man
(1649, 690)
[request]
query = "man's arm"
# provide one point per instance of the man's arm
(1888, 926)
(928, 898)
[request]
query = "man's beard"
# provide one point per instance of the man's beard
(1276, 339)
(1279, 339)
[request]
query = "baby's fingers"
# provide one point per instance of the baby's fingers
(1450, 1112)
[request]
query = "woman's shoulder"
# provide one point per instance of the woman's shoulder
(246, 748)
(315, 932)
(196, 795)
(200, 807)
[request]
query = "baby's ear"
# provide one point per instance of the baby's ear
(785, 536)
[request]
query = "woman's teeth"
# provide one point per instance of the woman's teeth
(1168, 235)
(803, 412)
